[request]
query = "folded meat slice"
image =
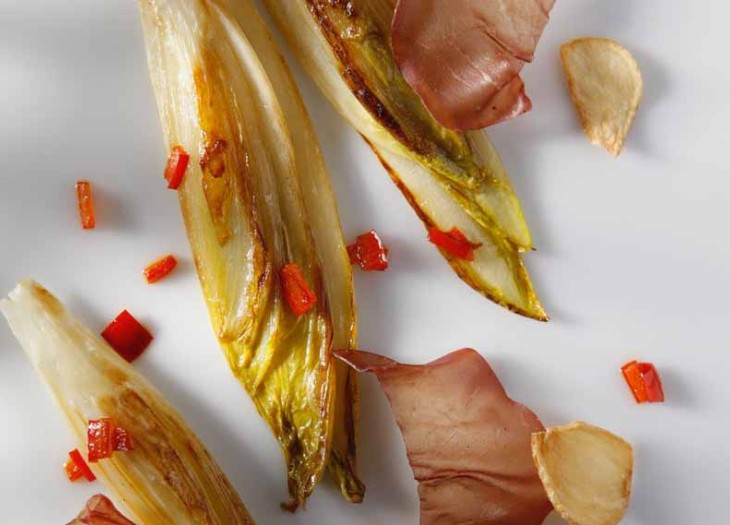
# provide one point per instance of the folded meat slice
(468, 443)
(463, 57)
(99, 510)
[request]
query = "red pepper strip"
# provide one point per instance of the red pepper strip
(78, 460)
(369, 252)
(100, 438)
(160, 269)
(177, 163)
(644, 382)
(86, 204)
(453, 242)
(127, 336)
(297, 292)
(122, 440)
(73, 473)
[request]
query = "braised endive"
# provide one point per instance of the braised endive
(451, 179)
(256, 197)
(169, 477)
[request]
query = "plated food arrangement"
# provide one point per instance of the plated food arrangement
(276, 270)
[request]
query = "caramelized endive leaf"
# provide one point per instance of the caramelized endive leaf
(345, 48)
(258, 201)
(169, 477)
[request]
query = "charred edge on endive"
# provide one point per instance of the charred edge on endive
(354, 78)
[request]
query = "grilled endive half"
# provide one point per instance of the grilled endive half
(256, 196)
(169, 477)
(450, 178)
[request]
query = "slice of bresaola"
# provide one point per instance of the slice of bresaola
(464, 57)
(99, 510)
(468, 443)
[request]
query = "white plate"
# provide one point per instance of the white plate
(633, 260)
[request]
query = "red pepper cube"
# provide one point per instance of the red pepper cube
(122, 440)
(297, 292)
(73, 473)
(100, 438)
(86, 204)
(127, 336)
(644, 382)
(160, 269)
(83, 467)
(652, 383)
(177, 163)
(369, 252)
(633, 378)
(454, 242)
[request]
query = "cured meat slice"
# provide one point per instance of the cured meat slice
(464, 57)
(99, 510)
(468, 443)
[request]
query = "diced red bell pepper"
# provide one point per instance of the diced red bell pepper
(633, 378)
(454, 242)
(127, 336)
(86, 204)
(644, 382)
(100, 435)
(73, 473)
(177, 163)
(78, 460)
(369, 252)
(160, 269)
(122, 440)
(297, 292)
(652, 383)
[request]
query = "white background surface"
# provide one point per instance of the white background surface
(633, 261)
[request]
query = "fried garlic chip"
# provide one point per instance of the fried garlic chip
(605, 84)
(586, 472)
